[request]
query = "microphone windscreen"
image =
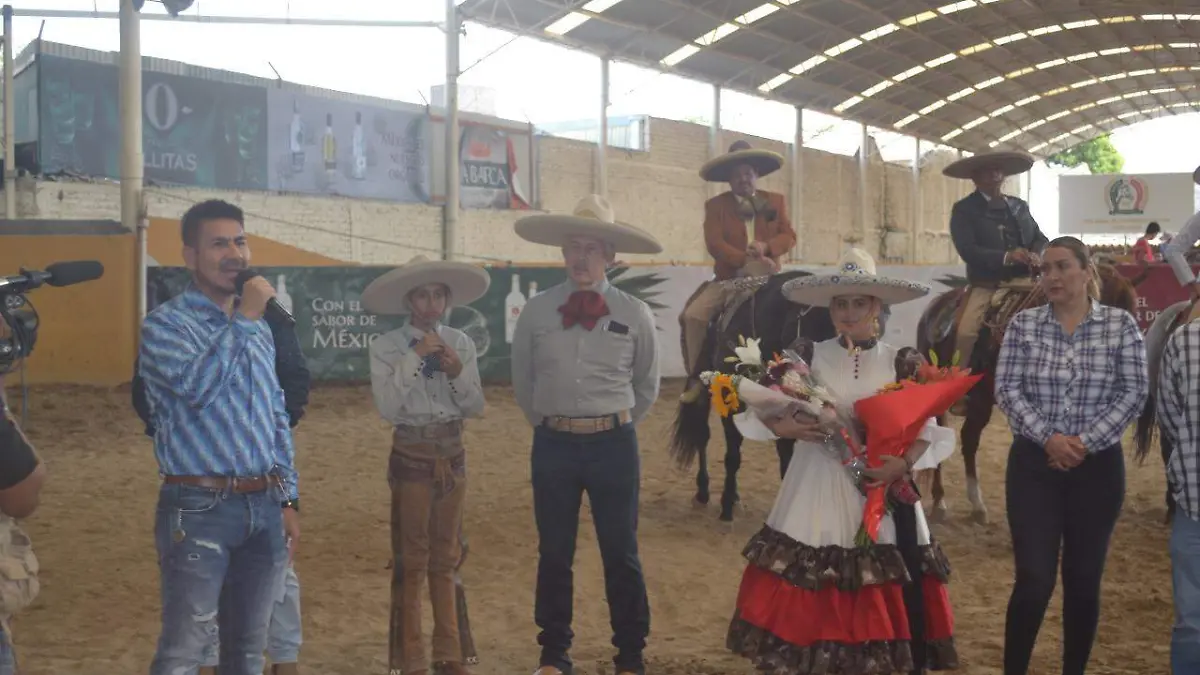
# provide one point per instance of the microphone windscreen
(74, 272)
(244, 276)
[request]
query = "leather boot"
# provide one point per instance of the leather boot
(692, 390)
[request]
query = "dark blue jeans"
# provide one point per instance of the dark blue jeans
(606, 466)
(221, 558)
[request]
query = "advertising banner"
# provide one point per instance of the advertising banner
(194, 131)
(1124, 204)
(496, 163)
(335, 147)
(1157, 289)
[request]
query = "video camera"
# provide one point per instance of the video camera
(19, 318)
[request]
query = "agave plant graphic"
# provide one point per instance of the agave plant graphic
(639, 286)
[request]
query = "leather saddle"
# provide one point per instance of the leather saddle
(753, 276)
(1010, 297)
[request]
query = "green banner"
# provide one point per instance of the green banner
(335, 331)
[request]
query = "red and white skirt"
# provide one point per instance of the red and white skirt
(812, 603)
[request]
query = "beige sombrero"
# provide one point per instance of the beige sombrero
(388, 294)
(855, 275)
(593, 217)
(718, 169)
(1010, 162)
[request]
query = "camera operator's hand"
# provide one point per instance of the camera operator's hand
(255, 295)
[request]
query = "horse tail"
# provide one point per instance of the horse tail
(1144, 432)
(689, 432)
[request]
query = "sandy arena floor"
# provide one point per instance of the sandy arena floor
(98, 610)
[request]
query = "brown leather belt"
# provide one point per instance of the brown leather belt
(234, 484)
(587, 425)
(432, 430)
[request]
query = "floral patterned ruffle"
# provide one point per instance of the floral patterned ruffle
(774, 655)
(847, 569)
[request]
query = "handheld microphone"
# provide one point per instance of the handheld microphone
(275, 311)
(56, 274)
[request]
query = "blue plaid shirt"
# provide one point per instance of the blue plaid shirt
(1090, 384)
(216, 400)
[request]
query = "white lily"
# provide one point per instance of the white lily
(749, 353)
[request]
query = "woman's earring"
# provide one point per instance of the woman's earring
(875, 327)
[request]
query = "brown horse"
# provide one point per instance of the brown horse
(936, 334)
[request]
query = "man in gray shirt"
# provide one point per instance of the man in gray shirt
(585, 371)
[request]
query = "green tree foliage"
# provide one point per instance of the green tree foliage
(1098, 154)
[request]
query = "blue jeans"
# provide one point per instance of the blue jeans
(284, 638)
(1185, 579)
(221, 557)
(8, 657)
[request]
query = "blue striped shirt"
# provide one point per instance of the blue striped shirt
(216, 400)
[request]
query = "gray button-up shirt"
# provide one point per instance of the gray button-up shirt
(405, 395)
(582, 373)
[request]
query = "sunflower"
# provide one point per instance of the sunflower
(724, 394)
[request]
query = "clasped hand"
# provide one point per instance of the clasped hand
(432, 343)
(798, 425)
(1065, 452)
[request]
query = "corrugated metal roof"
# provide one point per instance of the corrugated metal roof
(1036, 75)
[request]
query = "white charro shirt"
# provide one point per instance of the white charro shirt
(1174, 251)
(406, 393)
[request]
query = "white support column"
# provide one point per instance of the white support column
(602, 141)
(797, 192)
(132, 161)
(714, 137)
(450, 209)
(864, 145)
(10, 141)
(914, 242)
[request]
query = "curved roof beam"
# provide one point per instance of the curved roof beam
(948, 57)
(1045, 65)
(1002, 112)
(1121, 120)
(1101, 104)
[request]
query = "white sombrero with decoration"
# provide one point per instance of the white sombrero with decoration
(593, 217)
(388, 294)
(855, 275)
(719, 169)
(1010, 162)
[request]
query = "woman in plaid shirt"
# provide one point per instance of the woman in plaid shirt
(1071, 377)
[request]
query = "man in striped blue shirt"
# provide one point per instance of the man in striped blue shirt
(227, 520)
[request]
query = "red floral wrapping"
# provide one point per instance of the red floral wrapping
(894, 420)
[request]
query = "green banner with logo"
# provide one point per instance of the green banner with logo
(336, 332)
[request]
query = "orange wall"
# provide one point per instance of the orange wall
(165, 246)
(87, 331)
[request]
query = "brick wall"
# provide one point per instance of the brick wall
(658, 189)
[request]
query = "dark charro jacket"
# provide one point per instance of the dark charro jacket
(982, 242)
(290, 367)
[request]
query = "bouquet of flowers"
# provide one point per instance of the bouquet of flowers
(894, 418)
(783, 385)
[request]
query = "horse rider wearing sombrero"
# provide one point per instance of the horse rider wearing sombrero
(1175, 252)
(746, 231)
(585, 372)
(994, 234)
(425, 382)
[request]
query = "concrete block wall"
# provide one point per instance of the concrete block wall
(659, 189)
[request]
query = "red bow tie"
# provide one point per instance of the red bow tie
(583, 308)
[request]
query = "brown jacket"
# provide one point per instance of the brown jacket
(726, 237)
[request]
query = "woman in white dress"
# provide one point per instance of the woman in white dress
(811, 601)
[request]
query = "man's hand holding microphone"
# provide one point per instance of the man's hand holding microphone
(257, 300)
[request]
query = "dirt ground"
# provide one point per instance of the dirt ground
(98, 610)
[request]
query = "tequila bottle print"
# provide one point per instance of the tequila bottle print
(329, 145)
(514, 302)
(358, 148)
(281, 293)
(296, 139)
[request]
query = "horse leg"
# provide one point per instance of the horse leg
(702, 496)
(979, 413)
(733, 462)
(785, 448)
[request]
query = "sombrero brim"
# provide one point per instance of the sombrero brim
(556, 230)
(388, 294)
(1196, 176)
(1011, 163)
(820, 290)
(719, 169)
